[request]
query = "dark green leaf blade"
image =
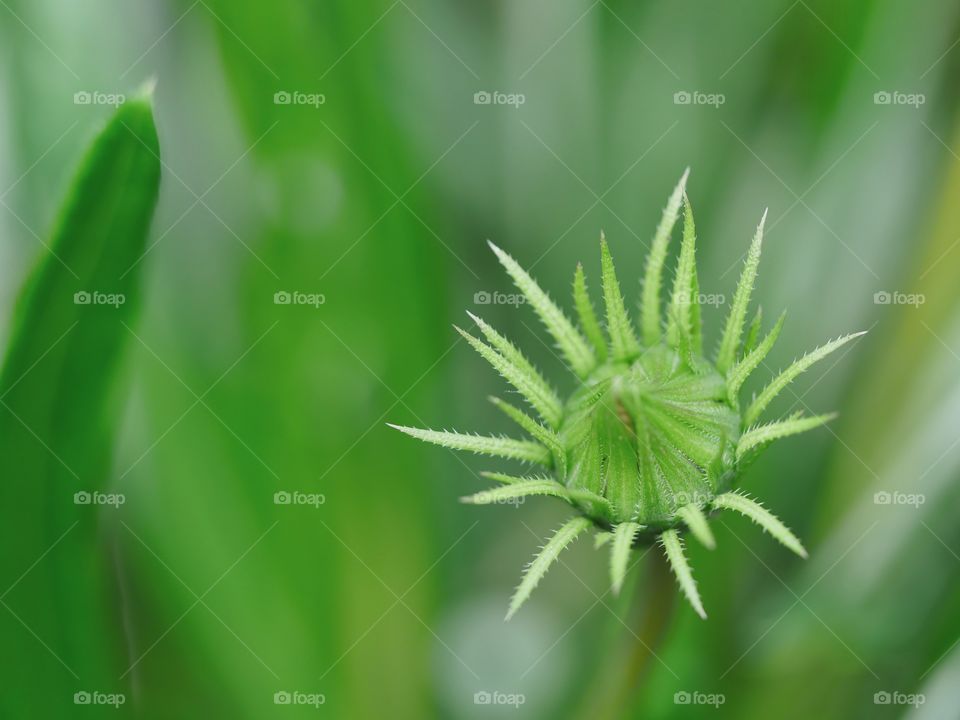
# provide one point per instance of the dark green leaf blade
(57, 419)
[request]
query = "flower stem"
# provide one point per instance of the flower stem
(628, 669)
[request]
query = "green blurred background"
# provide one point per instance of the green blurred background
(377, 187)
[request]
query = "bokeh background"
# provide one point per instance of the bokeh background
(377, 187)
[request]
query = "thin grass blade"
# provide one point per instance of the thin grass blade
(60, 415)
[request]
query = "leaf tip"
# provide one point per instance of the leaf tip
(147, 89)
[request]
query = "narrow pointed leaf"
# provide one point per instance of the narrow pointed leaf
(590, 503)
(673, 547)
(684, 316)
(762, 517)
(481, 444)
(680, 338)
(523, 377)
(522, 489)
(601, 539)
(571, 343)
(741, 371)
(537, 431)
(587, 315)
(512, 353)
(785, 377)
(653, 275)
(61, 397)
(741, 300)
(511, 479)
(753, 334)
(696, 521)
(544, 559)
(623, 341)
(780, 429)
(623, 536)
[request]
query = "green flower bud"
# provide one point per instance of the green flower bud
(655, 437)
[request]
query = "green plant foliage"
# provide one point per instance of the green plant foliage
(654, 437)
(58, 422)
(760, 515)
(673, 547)
(544, 559)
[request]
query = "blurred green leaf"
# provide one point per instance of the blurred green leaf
(60, 616)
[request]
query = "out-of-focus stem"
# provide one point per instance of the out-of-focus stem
(659, 589)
